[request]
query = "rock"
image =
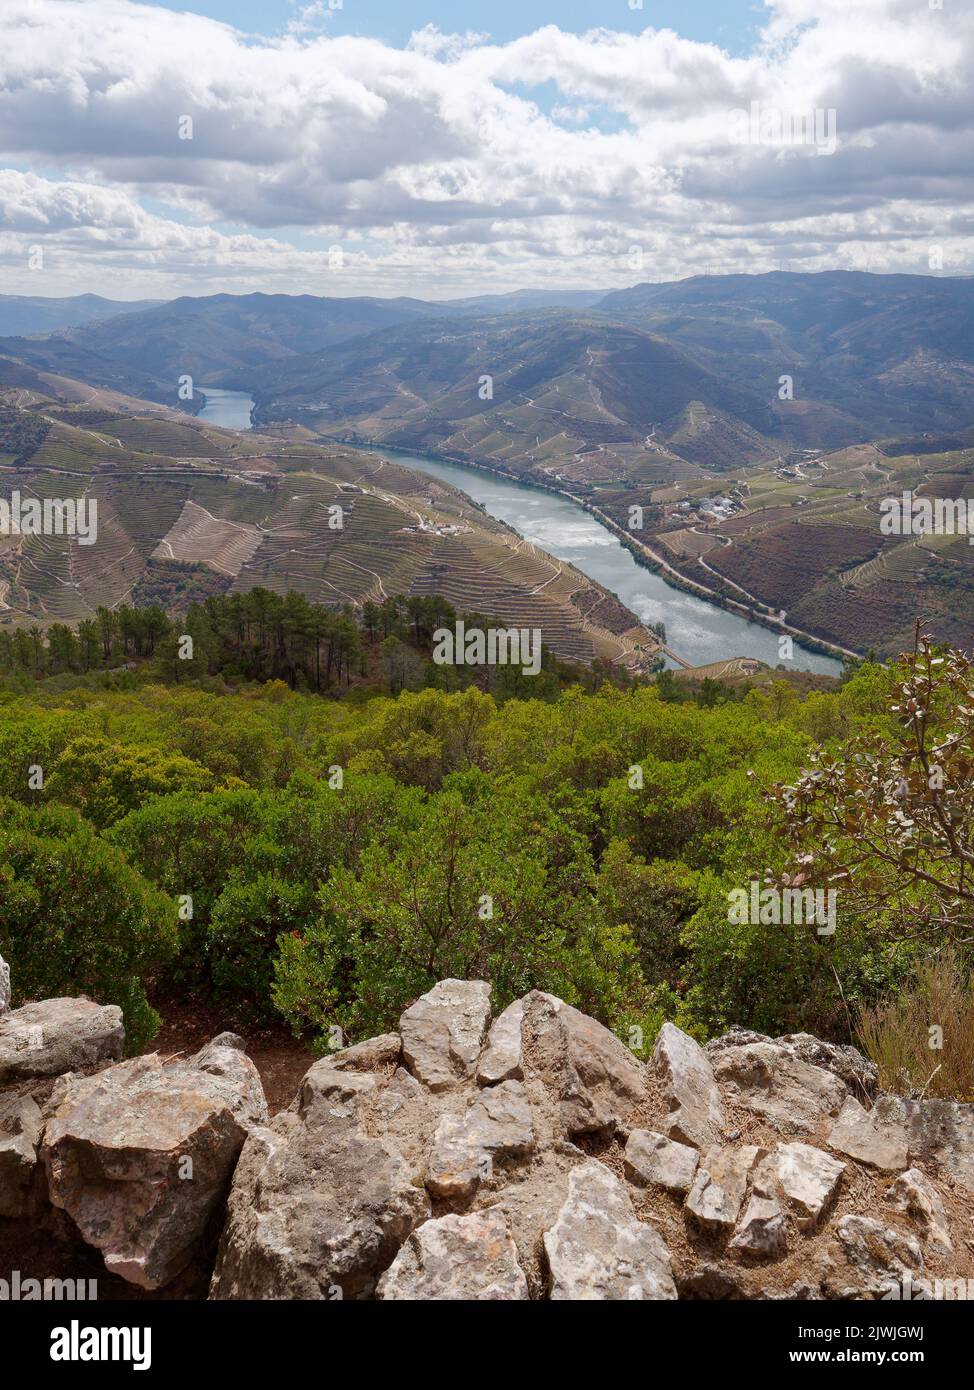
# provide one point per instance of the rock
(4, 986)
(879, 1258)
(59, 1035)
(319, 1207)
(225, 1059)
(325, 1085)
(717, 1194)
(457, 1257)
(140, 1156)
(857, 1072)
(808, 1178)
(595, 1080)
(845, 1061)
(597, 1250)
(876, 1137)
(443, 1032)
(401, 1092)
(914, 1194)
(762, 1231)
(769, 1080)
(373, 1054)
(940, 1133)
(498, 1123)
(696, 1109)
(20, 1131)
(503, 1056)
(652, 1160)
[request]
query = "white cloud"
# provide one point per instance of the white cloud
(438, 168)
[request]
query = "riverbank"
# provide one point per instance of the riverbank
(643, 556)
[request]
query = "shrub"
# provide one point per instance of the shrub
(922, 1040)
(76, 918)
(247, 921)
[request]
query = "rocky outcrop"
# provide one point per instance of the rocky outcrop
(531, 1156)
(457, 1257)
(4, 986)
(696, 1109)
(140, 1155)
(20, 1132)
(58, 1035)
(443, 1032)
(597, 1250)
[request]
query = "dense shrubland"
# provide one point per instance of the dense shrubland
(324, 860)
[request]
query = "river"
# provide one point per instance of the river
(698, 631)
(229, 409)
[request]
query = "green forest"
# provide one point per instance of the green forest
(306, 822)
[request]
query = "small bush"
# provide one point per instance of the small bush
(922, 1040)
(75, 918)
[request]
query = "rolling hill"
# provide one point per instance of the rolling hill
(186, 510)
(651, 382)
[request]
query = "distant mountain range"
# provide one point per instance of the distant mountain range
(41, 314)
(710, 372)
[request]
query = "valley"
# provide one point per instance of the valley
(755, 422)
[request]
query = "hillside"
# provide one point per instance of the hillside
(653, 380)
(186, 510)
(804, 539)
(516, 963)
(573, 396)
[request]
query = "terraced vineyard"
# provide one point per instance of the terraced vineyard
(805, 539)
(185, 510)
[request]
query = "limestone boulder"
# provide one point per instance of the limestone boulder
(4, 986)
(593, 1078)
(807, 1177)
(769, 1080)
(856, 1072)
(58, 1035)
(319, 1206)
(498, 1124)
(443, 1033)
(876, 1137)
(652, 1160)
(503, 1055)
(877, 1258)
(762, 1230)
(915, 1195)
(21, 1124)
(598, 1250)
(472, 1258)
(696, 1109)
(717, 1195)
(140, 1156)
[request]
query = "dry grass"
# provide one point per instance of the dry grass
(923, 1040)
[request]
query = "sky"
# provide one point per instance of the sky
(458, 147)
